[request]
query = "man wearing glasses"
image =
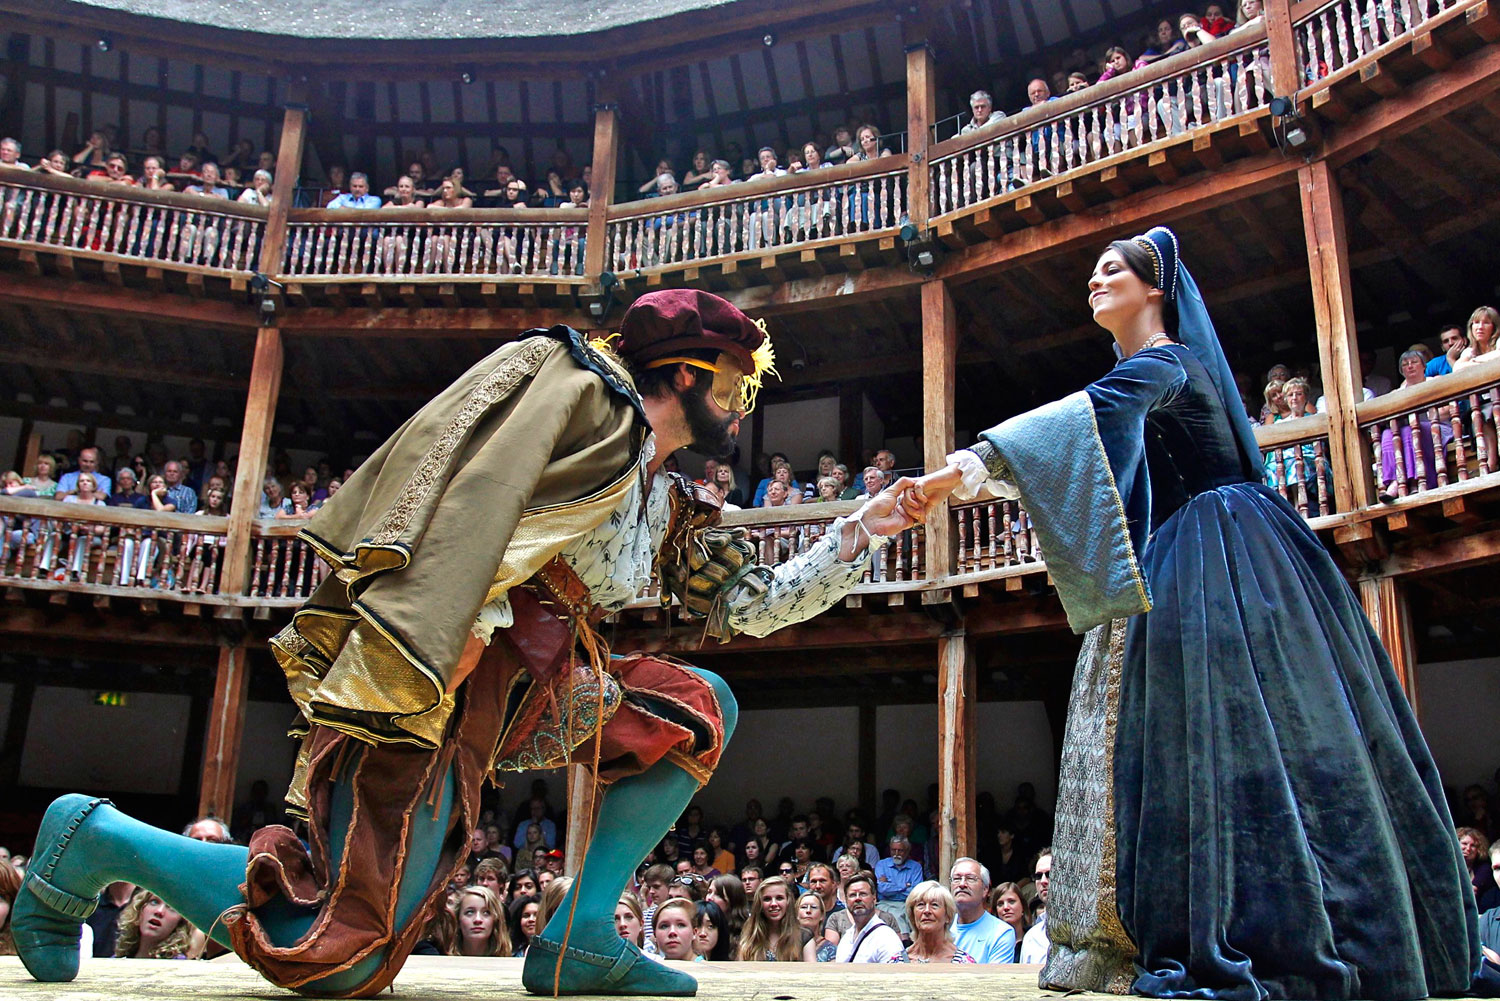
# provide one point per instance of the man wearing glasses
(975, 930)
(1035, 945)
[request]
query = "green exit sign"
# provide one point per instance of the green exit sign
(109, 698)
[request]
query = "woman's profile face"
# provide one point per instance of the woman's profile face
(1115, 291)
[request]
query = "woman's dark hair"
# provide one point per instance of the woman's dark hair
(815, 850)
(709, 911)
(515, 880)
(518, 939)
(1140, 261)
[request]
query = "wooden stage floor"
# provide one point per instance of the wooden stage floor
(482, 979)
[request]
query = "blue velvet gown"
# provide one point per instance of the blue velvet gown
(1281, 828)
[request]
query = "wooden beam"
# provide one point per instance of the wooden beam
(803, 295)
(1338, 343)
(957, 749)
(96, 297)
(255, 449)
(226, 727)
(1281, 39)
(602, 194)
(921, 112)
(424, 323)
(939, 375)
(1457, 551)
(283, 187)
(1386, 605)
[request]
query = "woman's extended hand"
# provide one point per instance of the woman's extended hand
(886, 514)
(925, 493)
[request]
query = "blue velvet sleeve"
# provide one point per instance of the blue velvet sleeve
(1080, 466)
(1122, 399)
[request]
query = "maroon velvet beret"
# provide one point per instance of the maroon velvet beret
(667, 323)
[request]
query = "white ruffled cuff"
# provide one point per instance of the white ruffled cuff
(976, 477)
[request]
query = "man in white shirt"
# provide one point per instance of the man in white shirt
(975, 930)
(869, 939)
(1035, 945)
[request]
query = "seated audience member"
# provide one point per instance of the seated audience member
(116, 171)
(154, 175)
(1035, 946)
(483, 928)
(720, 175)
(1214, 22)
(1165, 42)
(1116, 61)
(1475, 848)
(1010, 907)
(929, 911)
(672, 929)
(1374, 381)
(41, 480)
(10, 885)
(629, 923)
(697, 175)
(414, 173)
(868, 139)
(982, 106)
(273, 500)
(208, 185)
(10, 154)
(151, 929)
(88, 462)
(259, 190)
(1414, 373)
(522, 884)
(1453, 341)
(1487, 983)
(829, 488)
(712, 941)
(358, 196)
(125, 493)
(874, 481)
(1250, 12)
(337, 185)
(55, 163)
(885, 461)
(1193, 31)
(93, 153)
(870, 939)
(299, 503)
(1476, 812)
(1038, 93)
(896, 874)
(977, 932)
(663, 169)
(182, 496)
(1483, 339)
(771, 934)
(86, 491)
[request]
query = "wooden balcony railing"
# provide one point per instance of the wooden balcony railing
(1334, 36)
(759, 217)
(416, 243)
(1200, 89)
(1435, 434)
(283, 566)
(782, 533)
(1298, 462)
(124, 224)
(110, 550)
(993, 535)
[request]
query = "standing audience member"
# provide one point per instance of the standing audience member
(1010, 907)
(105, 921)
(982, 106)
(1454, 341)
(1035, 946)
(673, 929)
(977, 932)
(151, 929)
(898, 873)
(712, 940)
(482, 926)
(930, 910)
(811, 915)
(772, 934)
(629, 921)
(728, 891)
(869, 938)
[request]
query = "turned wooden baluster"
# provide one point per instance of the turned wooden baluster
(1398, 448)
(191, 583)
(255, 577)
(297, 590)
(1439, 453)
(287, 552)
(1377, 464)
(179, 582)
(963, 541)
(1481, 446)
(1414, 425)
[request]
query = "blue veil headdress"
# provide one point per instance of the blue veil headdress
(1196, 330)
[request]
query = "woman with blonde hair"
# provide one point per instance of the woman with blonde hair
(151, 929)
(482, 926)
(44, 476)
(630, 920)
(929, 910)
(820, 946)
(772, 934)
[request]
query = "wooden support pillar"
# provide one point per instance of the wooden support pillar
(851, 428)
(865, 742)
(31, 447)
(1385, 602)
(921, 110)
(957, 758)
(1338, 344)
(226, 726)
(283, 187)
(602, 193)
(1286, 78)
(582, 805)
(255, 449)
(939, 372)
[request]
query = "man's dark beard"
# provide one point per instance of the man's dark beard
(711, 436)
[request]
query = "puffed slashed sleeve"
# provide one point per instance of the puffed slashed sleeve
(800, 588)
(1079, 466)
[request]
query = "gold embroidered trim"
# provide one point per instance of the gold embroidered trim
(1135, 568)
(506, 376)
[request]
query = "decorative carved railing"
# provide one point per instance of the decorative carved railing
(282, 565)
(1336, 35)
(416, 243)
(1435, 434)
(111, 550)
(760, 216)
(1297, 461)
(121, 223)
(1199, 89)
(782, 533)
(993, 535)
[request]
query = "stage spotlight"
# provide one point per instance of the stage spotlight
(768, 39)
(1282, 106)
(104, 44)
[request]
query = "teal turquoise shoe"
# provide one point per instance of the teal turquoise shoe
(626, 970)
(48, 914)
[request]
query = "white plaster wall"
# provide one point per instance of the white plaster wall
(1015, 746)
(801, 753)
(72, 743)
(1459, 709)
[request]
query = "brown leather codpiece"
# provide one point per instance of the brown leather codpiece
(531, 702)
